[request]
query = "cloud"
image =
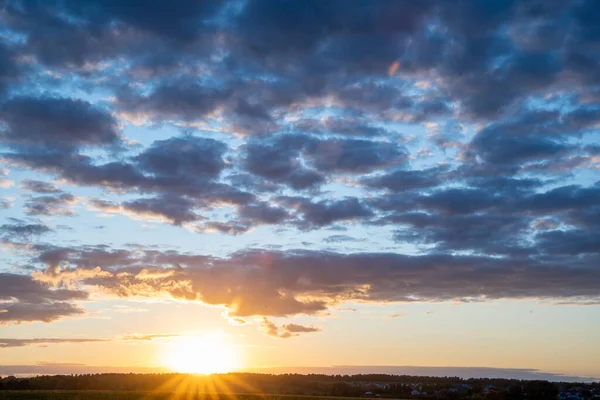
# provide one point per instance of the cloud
(498, 148)
(272, 283)
(262, 213)
(170, 208)
(341, 238)
(295, 328)
(56, 123)
(23, 231)
(36, 186)
(4, 181)
(26, 300)
(276, 160)
(492, 233)
(60, 204)
(354, 155)
(287, 330)
(565, 242)
(10, 342)
(103, 30)
(177, 210)
(180, 186)
(259, 23)
(321, 213)
(44, 342)
(393, 316)
(230, 228)
(577, 303)
(183, 156)
(344, 43)
(178, 101)
(10, 68)
(465, 131)
(340, 126)
(279, 159)
(72, 368)
(401, 180)
(149, 337)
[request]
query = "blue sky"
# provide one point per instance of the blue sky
(416, 182)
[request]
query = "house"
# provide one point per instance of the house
(490, 389)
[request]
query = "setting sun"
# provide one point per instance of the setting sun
(202, 355)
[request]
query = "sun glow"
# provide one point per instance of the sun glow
(202, 355)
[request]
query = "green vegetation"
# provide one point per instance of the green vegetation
(137, 395)
(246, 386)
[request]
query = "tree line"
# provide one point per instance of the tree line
(362, 385)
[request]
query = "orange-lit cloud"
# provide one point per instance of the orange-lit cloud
(287, 330)
(272, 283)
(393, 68)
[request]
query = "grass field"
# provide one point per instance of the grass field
(129, 395)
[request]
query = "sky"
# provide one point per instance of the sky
(286, 184)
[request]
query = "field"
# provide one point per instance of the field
(131, 395)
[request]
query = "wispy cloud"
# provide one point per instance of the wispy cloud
(43, 342)
(287, 330)
(393, 316)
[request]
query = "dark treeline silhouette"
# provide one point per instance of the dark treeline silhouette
(372, 385)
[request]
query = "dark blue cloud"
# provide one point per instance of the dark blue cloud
(401, 180)
(176, 209)
(278, 160)
(262, 213)
(486, 234)
(10, 68)
(37, 186)
(308, 114)
(302, 161)
(354, 155)
(340, 126)
(181, 156)
(58, 204)
(178, 100)
(22, 230)
(26, 300)
(180, 20)
(501, 148)
(61, 123)
(317, 214)
(90, 31)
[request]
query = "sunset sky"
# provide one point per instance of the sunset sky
(299, 184)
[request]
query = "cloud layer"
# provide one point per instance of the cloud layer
(467, 133)
(274, 283)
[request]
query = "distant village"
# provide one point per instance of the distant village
(477, 391)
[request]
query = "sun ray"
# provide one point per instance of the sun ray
(238, 382)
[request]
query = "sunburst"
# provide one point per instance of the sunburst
(202, 355)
